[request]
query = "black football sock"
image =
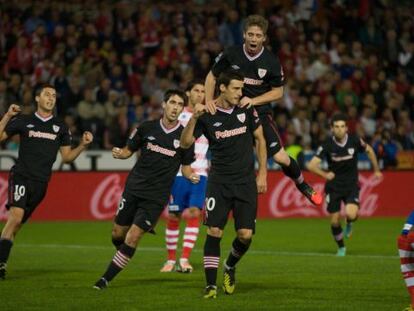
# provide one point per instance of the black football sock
(338, 235)
(237, 251)
(5, 247)
(119, 262)
(211, 259)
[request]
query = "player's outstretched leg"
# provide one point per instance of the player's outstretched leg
(118, 263)
(211, 263)
(351, 217)
(406, 257)
(172, 232)
(291, 169)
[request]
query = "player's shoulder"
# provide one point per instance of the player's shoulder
(270, 57)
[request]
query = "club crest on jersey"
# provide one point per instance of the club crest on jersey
(261, 72)
(351, 151)
(176, 143)
(56, 128)
(241, 117)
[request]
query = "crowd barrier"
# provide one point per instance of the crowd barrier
(95, 196)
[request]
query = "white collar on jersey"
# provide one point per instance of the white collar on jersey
(229, 111)
(250, 58)
(43, 119)
(341, 144)
(168, 131)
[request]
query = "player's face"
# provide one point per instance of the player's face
(254, 39)
(173, 107)
(233, 92)
(46, 100)
(339, 129)
(196, 95)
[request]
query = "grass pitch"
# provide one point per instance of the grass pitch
(290, 266)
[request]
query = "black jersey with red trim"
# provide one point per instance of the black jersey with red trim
(342, 159)
(161, 157)
(40, 140)
(262, 72)
(230, 136)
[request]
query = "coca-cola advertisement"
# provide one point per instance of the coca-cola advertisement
(95, 196)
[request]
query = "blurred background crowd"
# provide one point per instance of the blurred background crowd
(111, 61)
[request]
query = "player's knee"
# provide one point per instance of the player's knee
(174, 216)
(245, 236)
(281, 157)
(215, 232)
(194, 212)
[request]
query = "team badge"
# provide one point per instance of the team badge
(262, 72)
(351, 151)
(241, 117)
(176, 143)
(56, 128)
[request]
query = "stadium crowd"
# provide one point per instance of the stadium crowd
(111, 61)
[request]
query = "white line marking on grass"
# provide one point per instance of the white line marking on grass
(161, 249)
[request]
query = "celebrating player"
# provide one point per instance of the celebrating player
(148, 184)
(341, 151)
(263, 84)
(187, 195)
(41, 137)
(232, 184)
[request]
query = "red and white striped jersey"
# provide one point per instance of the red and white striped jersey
(200, 165)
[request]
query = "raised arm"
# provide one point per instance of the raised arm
(69, 155)
(187, 135)
(274, 94)
(261, 179)
(11, 112)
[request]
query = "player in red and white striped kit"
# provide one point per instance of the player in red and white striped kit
(187, 194)
(406, 252)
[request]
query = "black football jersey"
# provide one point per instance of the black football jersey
(262, 72)
(342, 160)
(40, 140)
(161, 157)
(230, 137)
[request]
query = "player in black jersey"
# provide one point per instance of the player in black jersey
(41, 137)
(263, 84)
(148, 184)
(232, 185)
(341, 152)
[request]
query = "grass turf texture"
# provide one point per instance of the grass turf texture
(290, 266)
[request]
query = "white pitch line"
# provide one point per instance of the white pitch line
(160, 249)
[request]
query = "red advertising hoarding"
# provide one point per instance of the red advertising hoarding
(95, 195)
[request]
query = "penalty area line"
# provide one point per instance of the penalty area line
(161, 249)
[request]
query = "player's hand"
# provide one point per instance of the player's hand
(330, 175)
(13, 110)
(194, 178)
(211, 106)
(246, 102)
(87, 138)
(199, 110)
(378, 175)
(116, 153)
(261, 182)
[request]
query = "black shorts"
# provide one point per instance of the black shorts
(273, 142)
(25, 193)
(139, 211)
(223, 198)
(335, 197)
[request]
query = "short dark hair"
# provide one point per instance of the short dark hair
(256, 20)
(172, 92)
(226, 76)
(41, 87)
(339, 116)
(193, 83)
